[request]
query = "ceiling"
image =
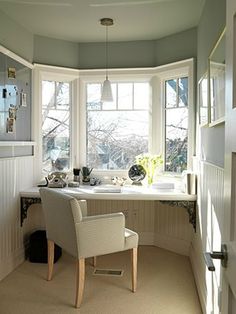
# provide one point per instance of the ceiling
(78, 20)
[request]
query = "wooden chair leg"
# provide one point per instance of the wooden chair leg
(95, 261)
(80, 276)
(134, 260)
(50, 259)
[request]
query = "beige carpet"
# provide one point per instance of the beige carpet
(165, 286)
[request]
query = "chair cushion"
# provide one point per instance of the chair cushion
(131, 239)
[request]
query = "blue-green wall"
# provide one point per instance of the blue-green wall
(190, 43)
(149, 53)
(176, 47)
(16, 38)
(211, 25)
(56, 52)
(146, 53)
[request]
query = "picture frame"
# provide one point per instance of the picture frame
(12, 112)
(11, 73)
(10, 125)
(203, 100)
(23, 99)
(217, 82)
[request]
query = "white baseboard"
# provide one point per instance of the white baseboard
(13, 261)
(172, 244)
(200, 282)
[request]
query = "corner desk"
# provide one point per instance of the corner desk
(171, 197)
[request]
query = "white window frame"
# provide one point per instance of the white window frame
(157, 77)
(173, 71)
(116, 76)
(51, 73)
(79, 78)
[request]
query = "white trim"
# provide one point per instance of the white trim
(146, 238)
(79, 78)
(172, 244)
(12, 55)
(17, 143)
(11, 262)
(199, 280)
(145, 71)
(171, 72)
(40, 73)
(156, 76)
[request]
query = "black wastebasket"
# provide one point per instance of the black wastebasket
(38, 252)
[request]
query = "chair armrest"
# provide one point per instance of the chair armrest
(101, 234)
(83, 207)
(105, 216)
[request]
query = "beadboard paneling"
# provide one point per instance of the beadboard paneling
(172, 228)
(157, 224)
(16, 175)
(207, 237)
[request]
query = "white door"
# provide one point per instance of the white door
(229, 233)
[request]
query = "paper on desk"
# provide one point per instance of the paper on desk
(163, 185)
(107, 189)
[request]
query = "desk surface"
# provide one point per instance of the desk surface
(127, 193)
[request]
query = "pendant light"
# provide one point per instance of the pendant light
(106, 87)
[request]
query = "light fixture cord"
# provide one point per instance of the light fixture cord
(106, 52)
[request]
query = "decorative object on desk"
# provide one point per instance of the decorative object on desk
(43, 183)
(189, 182)
(76, 172)
(150, 163)
(95, 181)
(73, 184)
(57, 180)
(137, 173)
(86, 174)
(118, 181)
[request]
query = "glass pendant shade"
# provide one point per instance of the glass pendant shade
(106, 87)
(106, 91)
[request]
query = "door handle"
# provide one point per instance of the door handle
(222, 255)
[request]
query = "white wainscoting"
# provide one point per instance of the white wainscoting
(15, 174)
(210, 204)
(156, 223)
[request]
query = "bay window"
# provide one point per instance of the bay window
(152, 112)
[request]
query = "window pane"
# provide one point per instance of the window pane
(183, 91)
(141, 95)
(115, 138)
(48, 93)
(125, 95)
(176, 139)
(56, 126)
(111, 105)
(170, 93)
(93, 96)
(62, 95)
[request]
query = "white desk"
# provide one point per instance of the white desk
(172, 197)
